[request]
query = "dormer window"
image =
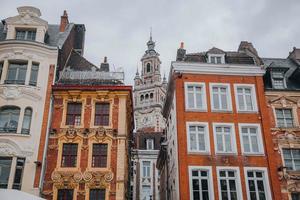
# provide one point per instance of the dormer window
(25, 34)
(216, 58)
(278, 79)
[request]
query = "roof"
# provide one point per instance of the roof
(78, 63)
(290, 68)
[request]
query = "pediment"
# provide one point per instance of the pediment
(26, 19)
(284, 101)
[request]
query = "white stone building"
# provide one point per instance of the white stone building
(149, 95)
(30, 50)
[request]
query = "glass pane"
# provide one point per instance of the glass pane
(260, 185)
(204, 184)
(191, 103)
(246, 143)
(193, 141)
(254, 143)
(5, 165)
(199, 100)
(216, 101)
(223, 185)
(228, 143)
(196, 184)
(232, 185)
(219, 142)
(224, 101)
(201, 142)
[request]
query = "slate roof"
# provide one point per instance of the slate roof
(289, 66)
(77, 62)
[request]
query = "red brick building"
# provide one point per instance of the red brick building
(218, 143)
(92, 121)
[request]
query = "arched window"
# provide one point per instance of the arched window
(151, 95)
(26, 121)
(146, 96)
(9, 118)
(148, 67)
(142, 97)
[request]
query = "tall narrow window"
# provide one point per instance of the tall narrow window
(26, 121)
(200, 184)
(251, 139)
(73, 114)
(69, 155)
(146, 169)
(291, 159)
(34, 74)
(5, 165)
(221, 100)
(195, 97)
(284, 118)
(295, 196)
(245, 98)
(278, 79)
(150, 144)
(198, 138)
(257, 185)
(25, 34)
(148, 67)
(65, 194)
(97, 194)
(1, 69)
(228, 186)
(224, 138)
(102, 114)
(99, 157)
(9, 118)
(18, 174)
(16, 73)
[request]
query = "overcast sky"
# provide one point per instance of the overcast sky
(120, 29)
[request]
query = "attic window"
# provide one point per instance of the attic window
(25, 34)
(278, 80)
(216, 59)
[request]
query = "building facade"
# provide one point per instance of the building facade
(149, 95)
(217, 138)
(92, 120)
(29, 52)
(282, 90)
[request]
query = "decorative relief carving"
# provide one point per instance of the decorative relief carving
(9, 148)
(66, 179)
(98, 179)
(11, 92)
(14, 92)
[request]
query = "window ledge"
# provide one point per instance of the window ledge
(247, 112)
(222, 111)
(296, 128)
(14, 134)
(226, 153)
(195, 110)
(20, 85)
(199, 153)
(253, 154)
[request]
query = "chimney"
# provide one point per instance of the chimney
(249, 49)
(64, 21)
(180, 52)
(104, 67)
(295, 54)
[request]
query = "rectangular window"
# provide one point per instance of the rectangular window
(257, 183)
(291, 159)
(224, 136)
(16, 73)
(200, 184)
(284, 118)
(229, 186)
(25, 34)
(102, 114)
(295, 196)
(97, 194)
(65, 194)
(245, 97)
(195, 96)
(5, 165)
(146, 169)
(278, 80)
(198, 139)
(34, 74)
(220, 97)
(69, 155)
(250, 135)
(73, 114)
(1, 69)
(150, 144)
(19, 174)
(99, 157)
(216, 59)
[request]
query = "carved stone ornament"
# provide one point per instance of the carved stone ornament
(15, 92)
(71, 133)
(98, 179)
(11, 92)
(293, 186)
(287, 137)
(10, 148)
(66, 179)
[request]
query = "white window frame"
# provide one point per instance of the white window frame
(293, 159)
(204, 102)
(206, 137)
(210, 180)
(237, 179)
(144, 166)
(232, 138)
(150, 142)
(259, 137)
(266, 180)
(216, 55)
(229, 100)
(294, 116)
(253, 97)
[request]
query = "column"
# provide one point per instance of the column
(28, 72)
(4, 71)
(12, 172)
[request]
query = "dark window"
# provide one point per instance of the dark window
(148, 67)
(73, 114)
(200, 185)
(69, 155)
(25, 34)
(142, 98)
(1, 69)
(99, 157)
(278, 79)
(9, 118)
(295, 196)
(34, 74)
(16, 73)
(284, 118)
(291, 159)
(18, 174)
(97, 194)
(5, 165)
(102, 114)
(65, 194)
(26, 121)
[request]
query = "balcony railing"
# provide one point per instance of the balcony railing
(17, 82)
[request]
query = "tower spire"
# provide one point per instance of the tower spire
(150, 33)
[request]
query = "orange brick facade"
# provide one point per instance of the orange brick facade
(262, 117)
(83, 177)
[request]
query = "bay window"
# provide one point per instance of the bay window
(16, 73)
